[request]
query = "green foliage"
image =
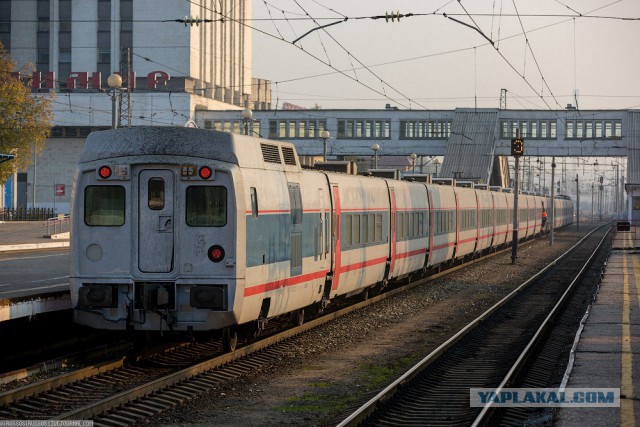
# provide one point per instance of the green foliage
(25, 118)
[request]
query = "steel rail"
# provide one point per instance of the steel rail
(485, 414)
(100, 407)
(388, 392)
(112, 402)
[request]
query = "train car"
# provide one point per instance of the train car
(444, 224)
(467, 221)
(410, 202)
(187, 229)
(362, 234)
(502, 233)
(486, 220)
(195, 230)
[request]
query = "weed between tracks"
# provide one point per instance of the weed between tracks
(322, 398)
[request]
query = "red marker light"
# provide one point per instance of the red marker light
(205, 172)
(104, 172)
(216, 253)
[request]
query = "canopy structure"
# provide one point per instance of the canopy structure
(6, 157)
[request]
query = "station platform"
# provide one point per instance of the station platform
(608, 351)
(21, 294)
(30, 235)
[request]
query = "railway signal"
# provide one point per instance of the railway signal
(517, 147)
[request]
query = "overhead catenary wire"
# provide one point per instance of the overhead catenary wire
(352, 68)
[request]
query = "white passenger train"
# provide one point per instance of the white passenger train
(192, 230)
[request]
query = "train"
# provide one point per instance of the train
(188, 229)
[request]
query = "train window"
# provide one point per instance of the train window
(356, 229)
(371, 232)
(254, 202)
(295, 202)
(400, 226)
(206, 206)
(104, 205)
(347, 231)
(378, 227)
(326, 234)
(155, 194)
(365, 228)
(407, 225)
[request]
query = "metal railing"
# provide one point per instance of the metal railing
(24, 214)
(57, 225)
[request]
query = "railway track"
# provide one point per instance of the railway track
(491, 352)
(124, 391)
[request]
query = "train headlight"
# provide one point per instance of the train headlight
(104, 172)
(216, 253)
(98, 296)
(211, 297)
(205, 172)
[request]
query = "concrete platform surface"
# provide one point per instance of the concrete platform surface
(608, 352)
(29, 235)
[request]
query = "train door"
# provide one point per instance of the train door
(322, 236)
(392, 196)
(336, 243)
(295, 200)
(155, 221)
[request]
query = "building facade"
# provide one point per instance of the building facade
(175, 57)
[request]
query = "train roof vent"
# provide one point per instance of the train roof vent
(289, 156)
(270, 153)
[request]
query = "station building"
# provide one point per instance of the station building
(174, 58)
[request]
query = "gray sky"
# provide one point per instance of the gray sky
(429, 61)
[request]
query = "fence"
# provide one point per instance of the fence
(57, 225)
(22, 214)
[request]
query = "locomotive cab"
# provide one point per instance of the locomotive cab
(154, 239)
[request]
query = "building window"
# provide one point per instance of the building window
(617, 129)
(363, 129)
(425, 129)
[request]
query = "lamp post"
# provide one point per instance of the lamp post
(437, 163)
(115, 83)
(413, 156)
(375, 148)
(324, 136)
(247, 115)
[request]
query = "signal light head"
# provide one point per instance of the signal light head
(104, 172)
(216, 253)
(205, 172)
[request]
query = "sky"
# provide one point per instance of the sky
(450, 53)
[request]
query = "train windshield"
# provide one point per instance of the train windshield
(206, 206)
(104, 205)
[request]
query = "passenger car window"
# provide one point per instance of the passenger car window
(206, 206)
(156, 194)
(104, 205)
(254, 202)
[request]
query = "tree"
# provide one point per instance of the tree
(25, 118)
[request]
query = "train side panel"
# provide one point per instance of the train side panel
(444, 224)
(361, 239)
(412, 231)
(486, 222)
(286, 243)
(502, 234)
(467, 221)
